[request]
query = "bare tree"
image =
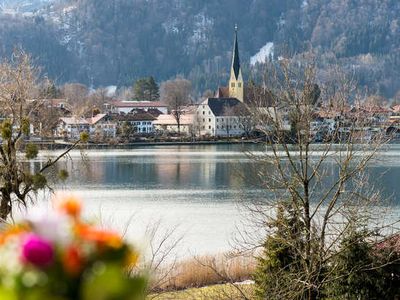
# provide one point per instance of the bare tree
(76, 94)
(314, 194)
(96, 100)
(18, 78)
(176, 93)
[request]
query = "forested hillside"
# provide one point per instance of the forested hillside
(103, 42)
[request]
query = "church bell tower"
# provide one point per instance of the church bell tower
(236, 86)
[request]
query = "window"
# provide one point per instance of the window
(204, 120)
(209, 127)
(204, 112)
(202, 127)
(232, 84)
(209, 112)
(209, 120)
(239, 84)
(217, 127)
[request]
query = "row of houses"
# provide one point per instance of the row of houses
(225, 114)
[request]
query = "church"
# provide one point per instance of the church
(222, 115)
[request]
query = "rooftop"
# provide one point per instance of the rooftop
(139, 104)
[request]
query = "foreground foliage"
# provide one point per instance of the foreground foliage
(59, 256)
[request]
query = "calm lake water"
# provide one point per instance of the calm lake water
(196, 188)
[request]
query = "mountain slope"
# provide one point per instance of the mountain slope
(103, 42)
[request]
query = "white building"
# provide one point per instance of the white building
(125, 107)
(142, 122)
(168, 124)
(220, 117)
(72, 127)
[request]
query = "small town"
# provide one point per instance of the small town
(175, 116)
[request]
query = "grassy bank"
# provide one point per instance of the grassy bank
(217, 273)
(217, 292)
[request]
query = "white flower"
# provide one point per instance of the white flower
(51, 226)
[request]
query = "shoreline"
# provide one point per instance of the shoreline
(61, 146)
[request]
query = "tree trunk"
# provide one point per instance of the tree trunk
(5, 206)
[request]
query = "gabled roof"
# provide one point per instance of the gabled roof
(74, 121)
(96, 118)
(222, 92)
(142, 116)
(396, 108)
(223, 106)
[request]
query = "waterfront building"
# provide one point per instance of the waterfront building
(125, 107)
(141, 122)
(221, 117)
(99, 125)
(224, 114)
(168, 124)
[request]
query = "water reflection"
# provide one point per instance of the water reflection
(195, 186)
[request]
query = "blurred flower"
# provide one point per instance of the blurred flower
(53, 226)
(11, 231)
(49, 255)
(37, 251)
(100, 236)
(70, 205)
(72, 260)
(132, 259)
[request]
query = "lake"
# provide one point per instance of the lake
(194, 188)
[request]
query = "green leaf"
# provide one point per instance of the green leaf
(109, 282)
(63, 175)
(31, 151)
(6, 129)
(7, 294)
(39, 181)
(84, 137)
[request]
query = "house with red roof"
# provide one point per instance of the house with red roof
(98, 125)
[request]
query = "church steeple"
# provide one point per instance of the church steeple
(235, 57)
(236, 79)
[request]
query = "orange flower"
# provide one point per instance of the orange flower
(13, 231)
(71, 206)
(100, 236)
(72, 261)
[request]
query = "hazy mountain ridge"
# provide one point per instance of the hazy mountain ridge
(22, 6)
(103, 42)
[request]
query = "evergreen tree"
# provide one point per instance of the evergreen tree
(146, 89)
(364, 271)
(278, 265)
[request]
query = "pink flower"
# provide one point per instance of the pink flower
(37, 251)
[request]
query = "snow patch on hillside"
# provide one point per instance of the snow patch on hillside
(264, 54)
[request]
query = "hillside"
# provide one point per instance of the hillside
(102, 42)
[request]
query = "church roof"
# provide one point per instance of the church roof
(222, 92)
(223, 106)
(235, 58)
